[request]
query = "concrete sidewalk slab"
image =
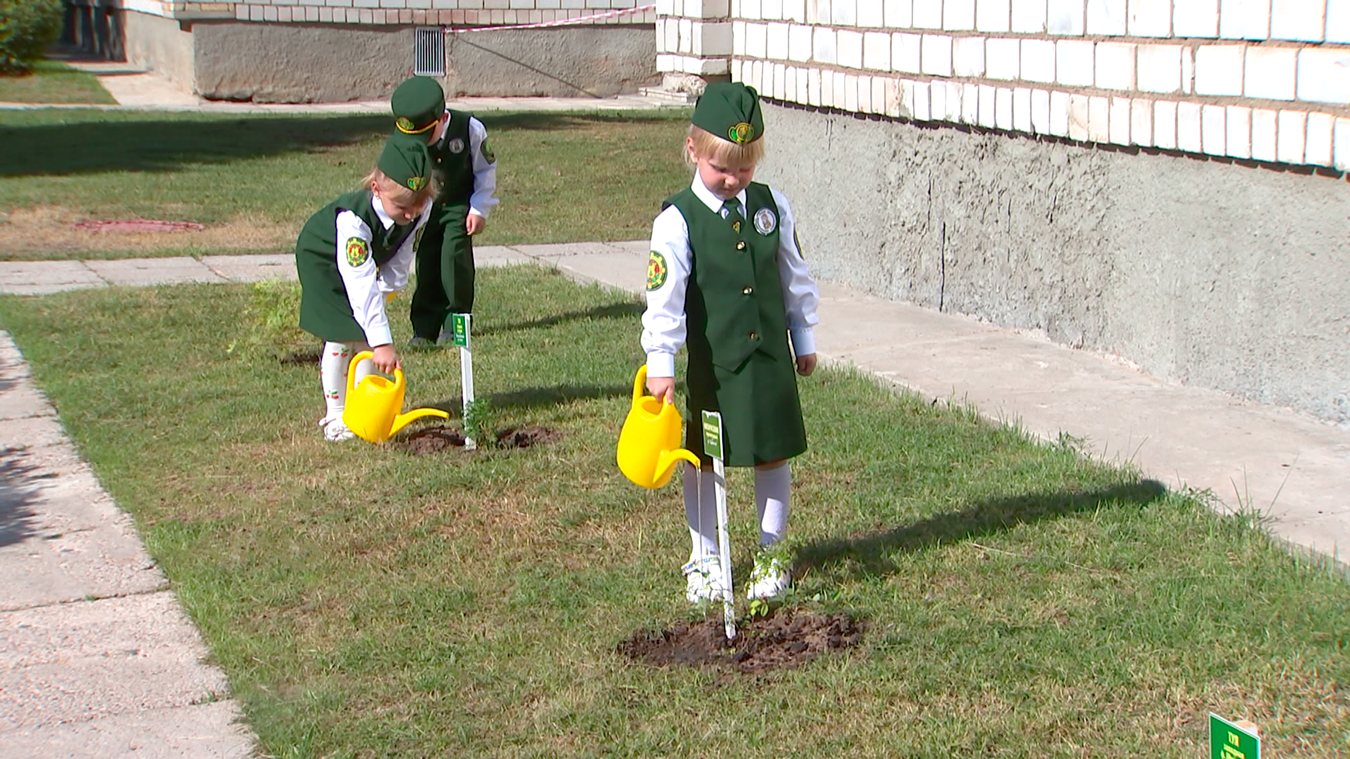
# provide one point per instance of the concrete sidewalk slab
(140, 272)
(252, 268)
(498, 255)
(119, 676)
(201, 731)
(45, 277)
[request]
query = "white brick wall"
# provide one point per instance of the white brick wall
(1226, 78)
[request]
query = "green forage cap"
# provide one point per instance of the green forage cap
(730, 110)
(405, 160)
(417, 104)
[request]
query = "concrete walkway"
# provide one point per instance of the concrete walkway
(100, 660)
(137, 88)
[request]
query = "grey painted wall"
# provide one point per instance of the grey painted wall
(159, 44)
(1216, 274)
(298, 63)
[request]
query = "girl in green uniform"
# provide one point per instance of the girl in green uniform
(727, 278)
(352, 256)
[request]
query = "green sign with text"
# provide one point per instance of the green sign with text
(460, 326)
(1228, 741)
(712, 434)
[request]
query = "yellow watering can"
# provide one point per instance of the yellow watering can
(650, 440)
(374, 403)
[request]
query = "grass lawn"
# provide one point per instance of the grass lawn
(253, 180)
(365, 602)
(53, 82)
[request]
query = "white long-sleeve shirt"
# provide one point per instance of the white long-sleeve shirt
(484, 171)
(663, 323)
(367, 284)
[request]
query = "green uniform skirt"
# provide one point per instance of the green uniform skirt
(761, 411)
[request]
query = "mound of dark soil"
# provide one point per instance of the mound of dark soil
(438, 439)
(785, 639)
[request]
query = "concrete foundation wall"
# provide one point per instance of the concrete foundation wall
(1214, 273)
(565, 62)
(160, 44)
(298, 63)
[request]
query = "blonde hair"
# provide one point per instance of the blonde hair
(399, 193)
(724, 152)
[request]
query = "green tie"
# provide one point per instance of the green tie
(733, 209)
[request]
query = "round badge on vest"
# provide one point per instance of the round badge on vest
(456, 146)
(765, 221)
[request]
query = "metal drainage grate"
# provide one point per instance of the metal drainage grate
(428, 51)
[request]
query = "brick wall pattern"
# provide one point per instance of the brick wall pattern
(426, 12)
(1242, 79)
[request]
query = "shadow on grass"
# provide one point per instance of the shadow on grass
(984, 518)
(535, 397)
(94, 142)
(17, 493)
(610, 311)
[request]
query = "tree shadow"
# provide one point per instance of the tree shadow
(868, 553)
(17, 494)
(535, 397)
(97, 143)
(610, 311)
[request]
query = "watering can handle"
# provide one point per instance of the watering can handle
(351, 371)
(351, 368)
(639, 383)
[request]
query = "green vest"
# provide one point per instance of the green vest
(734, 303)
(324, 309)
(454, 168)
(319, 236)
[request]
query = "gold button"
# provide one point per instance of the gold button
(754, 336)
(748, 290)
(740, 245)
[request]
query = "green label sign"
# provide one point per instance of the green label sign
(460, 325)
(1228, 741)
(712, 434)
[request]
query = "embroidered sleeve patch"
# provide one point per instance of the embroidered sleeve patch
(656, 271)
(488, 154)
(358, 251)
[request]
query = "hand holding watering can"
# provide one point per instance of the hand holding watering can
(373, 404)
(649, 444)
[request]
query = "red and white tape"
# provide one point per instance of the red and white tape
(559, 22)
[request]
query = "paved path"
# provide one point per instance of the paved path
(136, 88)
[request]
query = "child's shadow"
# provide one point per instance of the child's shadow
(535, 397)
(609, 311)
(868, 554)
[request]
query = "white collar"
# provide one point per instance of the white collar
(385, 219)
(709, 199)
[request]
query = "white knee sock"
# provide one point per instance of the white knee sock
(773, 491)
(333, 366)
(702, 517)
(333, 377)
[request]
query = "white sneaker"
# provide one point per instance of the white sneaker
(335, 431)
(769, 579)
(704, 580)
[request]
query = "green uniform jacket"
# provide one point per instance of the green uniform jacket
(454, 161)
(739, 360)
(325, 311)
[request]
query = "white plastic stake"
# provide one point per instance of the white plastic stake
(712, 445)
(461, 324)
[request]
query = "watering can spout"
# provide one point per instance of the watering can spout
(402, 420)
(666, 462)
